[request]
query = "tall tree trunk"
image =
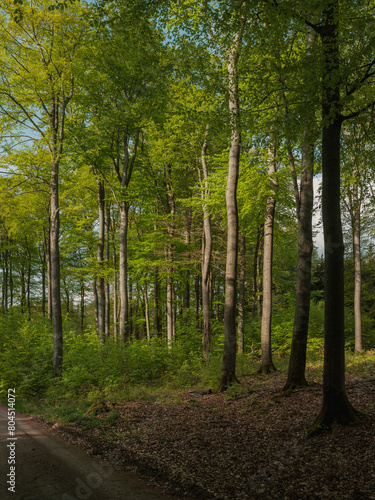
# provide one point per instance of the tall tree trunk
(206, 255)
(259, 276)
(256, 268)
(356, 230)
(336, 408)
(100, 259)
(169, 258)
(132, 310)
(29, 288)
(82, 306)
(115, 290)
(95, 293)
(55, 272)
(107, 297)
(304, 203)
(186, 308)
(5, 276)
(267, 365)
(66, 295)
(123, 271)
(147, 311)
(157, 326)
(170, 313)
(197, 300)
(49, 279)
(11, 283)
(44, 264)
(115, 294)
(241, 296)
(5, 282)
(228, 369)
(23, 289)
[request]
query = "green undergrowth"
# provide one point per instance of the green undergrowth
(140, 370)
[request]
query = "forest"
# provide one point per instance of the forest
(166, 170)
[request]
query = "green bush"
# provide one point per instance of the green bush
(26, 356)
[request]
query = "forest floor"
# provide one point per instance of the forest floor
(247, 444)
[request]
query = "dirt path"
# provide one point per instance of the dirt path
(47, 468)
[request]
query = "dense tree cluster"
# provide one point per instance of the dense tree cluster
(157, 172)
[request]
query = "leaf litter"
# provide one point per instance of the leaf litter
(245, 445)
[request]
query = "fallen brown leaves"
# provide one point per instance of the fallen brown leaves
(250, 447)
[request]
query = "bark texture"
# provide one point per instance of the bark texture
(123, 272)
(100, 260)
(304, 204)
(206, 256)
(356, 231)
(228, 370)
(267, 365)
(241, 296)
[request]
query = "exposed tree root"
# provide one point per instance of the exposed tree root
(335, 412)
(226, 380)
(267, 369)
(296, 383)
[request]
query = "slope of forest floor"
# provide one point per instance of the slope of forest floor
(247, 444)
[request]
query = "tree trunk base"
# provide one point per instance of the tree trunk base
(226, 380)
(295, 383)
(267, 369)
(336, 410)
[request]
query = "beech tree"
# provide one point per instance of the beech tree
(304, 199)
(126, 62)
(336, 99)
(228, 370)
(39, 47)
(355, 189)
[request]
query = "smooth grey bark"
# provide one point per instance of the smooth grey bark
(228, 369)
(123, 272)
(267, 365)
(124, 176)
(147, 311)
(186, 308)
(28, 287)
(169, 256)
(95, 293)
(49, 295)
(259, 276)
(157, 323)
(11, 283)
(130, 308)
(67, 295)
(353, 205)
(241, 296)
(107, 298)
(55, 273)
(206, 254)
(115, 293)
(356, 230)
(197, 300)
(170, 286)
(256, 271)
(57, 127)
(44, 272)
(304, 196)
(100, 288)
(82, 305)
(23, 289)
